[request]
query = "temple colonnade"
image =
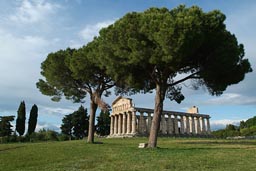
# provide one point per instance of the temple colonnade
(128, 121)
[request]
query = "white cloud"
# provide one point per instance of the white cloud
(20, 70)
(57, 110)
(90, 31)
(221, 124)
(77, 1)
(31, 11)
(233, 99)
(241, 22)
(46, 125)
(20, 56)
(75, 44)
(14, 47)
(226, 121)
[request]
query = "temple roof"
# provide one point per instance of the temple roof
(119, 98)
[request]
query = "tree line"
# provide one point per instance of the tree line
(155, 50)
(245, 128)
(6, 126)
(74, 126)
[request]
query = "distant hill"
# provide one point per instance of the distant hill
(245, 128)
(248, 123)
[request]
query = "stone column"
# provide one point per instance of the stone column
(119, 124)
(149, 123)
(128, 123)
(187, 125)
(111, 124)
(181, 125)
(163, 124)
(203, 125)
(115, 124)
(133, 122)
(141, 123)
(176, 128)
(193, 125)
(198, 128)
(208, 125)
(145, 124)
(170, 124)
(124, 124)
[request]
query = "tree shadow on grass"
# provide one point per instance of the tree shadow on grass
(197, 149)
(221, 143)
(210, 145)
(10, 148)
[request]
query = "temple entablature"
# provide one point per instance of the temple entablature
(121, 104)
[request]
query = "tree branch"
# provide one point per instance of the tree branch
(186, 78)
(108, 86)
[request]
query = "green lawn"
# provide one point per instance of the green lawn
(123, 154)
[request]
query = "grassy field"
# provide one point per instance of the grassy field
(123, 154)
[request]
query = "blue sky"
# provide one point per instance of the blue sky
(30, 29)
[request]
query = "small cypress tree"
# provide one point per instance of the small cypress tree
(20, 121)
(32, 119)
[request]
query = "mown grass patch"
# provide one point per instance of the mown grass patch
(123, 154)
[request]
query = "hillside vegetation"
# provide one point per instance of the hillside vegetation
(246, 128)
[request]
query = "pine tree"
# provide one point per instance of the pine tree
(32, 119)
(75, 74)
(160, 49)
(20, 121)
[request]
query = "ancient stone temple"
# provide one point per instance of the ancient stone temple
(128, 121)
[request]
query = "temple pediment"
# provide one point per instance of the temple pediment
(121, 104)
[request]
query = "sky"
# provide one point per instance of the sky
(31, 29)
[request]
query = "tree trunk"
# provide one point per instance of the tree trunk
(159, 98)
(93, 108)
